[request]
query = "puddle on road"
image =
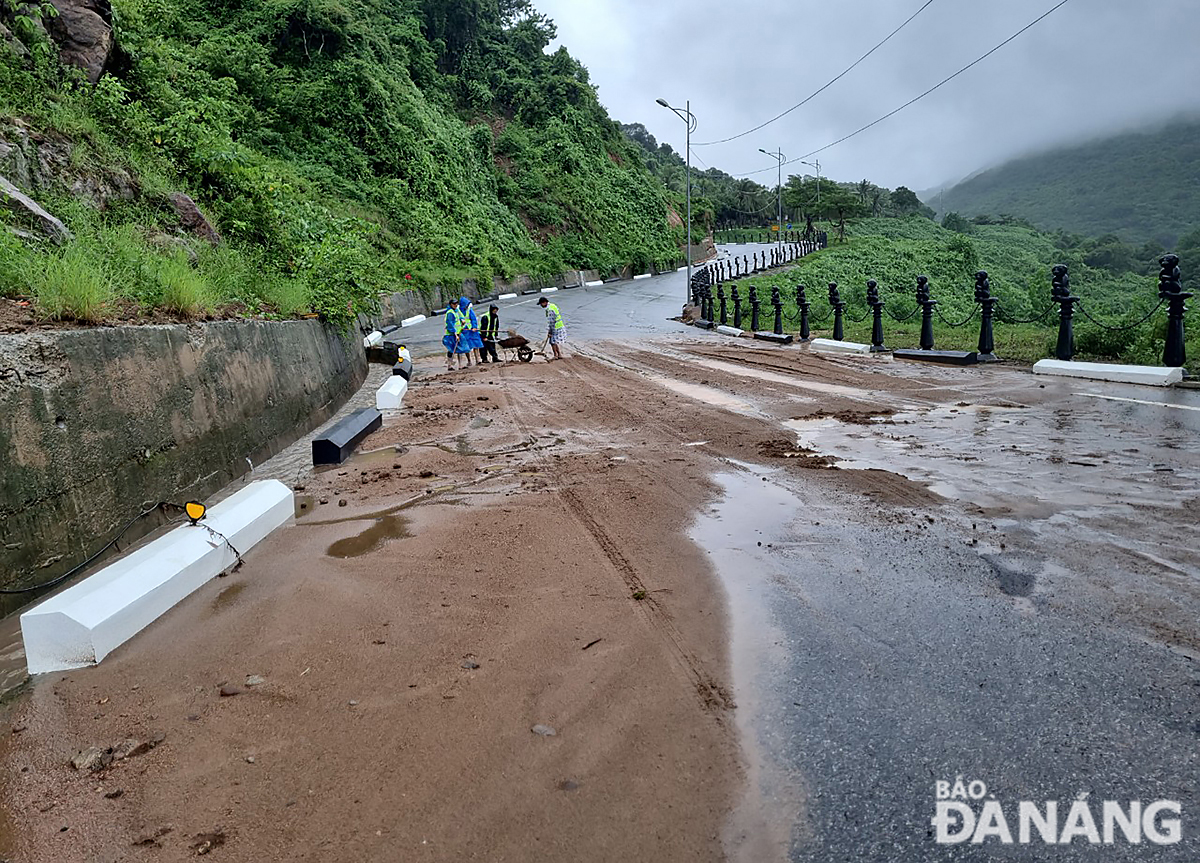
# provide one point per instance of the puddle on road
(385, 528)
(787, 380)
(996, 456)
(739, 532)
(708, 395)
(226, 597)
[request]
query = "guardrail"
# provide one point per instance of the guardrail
(719, 308)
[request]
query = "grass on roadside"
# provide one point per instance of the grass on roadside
(71, 287)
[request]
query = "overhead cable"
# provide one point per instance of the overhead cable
(822, 88)
(916, 98)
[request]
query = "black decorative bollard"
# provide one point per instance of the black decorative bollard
(802, 305)
(927, 306)
(777, 302)
(1060, 292)
(737, 307)
(877, 311)
(1170, 288)
(721, 300)
(983, 296)
(835, 301)
(754, 304)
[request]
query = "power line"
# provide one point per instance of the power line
(825, 86)
(698, 159)
(916, 98)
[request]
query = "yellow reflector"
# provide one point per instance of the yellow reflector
(195, 510)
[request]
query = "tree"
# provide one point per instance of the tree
(905, 200)
(956, 222)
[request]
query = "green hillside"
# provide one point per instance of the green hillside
(1140, 186)
(894, 251)
(339, 147)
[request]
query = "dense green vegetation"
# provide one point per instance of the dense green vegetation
(342, 147)
(1139, 186)
(1018, 260)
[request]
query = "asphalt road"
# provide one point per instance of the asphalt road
(623, 309)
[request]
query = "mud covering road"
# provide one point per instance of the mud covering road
(765, 600)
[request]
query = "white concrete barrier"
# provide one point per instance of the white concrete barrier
(1153, 376)
(729, 331)
(373, 339)
(415, 319)
(681, 269)
(402, 354)
(839, 347)
(642, 276)
(595, 283)
(549, 290)
(391, 394)
(507, 297)
(87, 621)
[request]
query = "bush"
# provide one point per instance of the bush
(72, 287)
(184, 291)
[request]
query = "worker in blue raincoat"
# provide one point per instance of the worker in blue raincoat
(471, 330)
(453, 339)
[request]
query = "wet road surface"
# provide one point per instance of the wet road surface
(1036, 631)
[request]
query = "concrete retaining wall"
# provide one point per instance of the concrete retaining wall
(98, 424)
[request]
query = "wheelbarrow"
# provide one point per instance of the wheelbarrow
(517, 347)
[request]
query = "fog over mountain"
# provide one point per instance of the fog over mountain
(1090, 68)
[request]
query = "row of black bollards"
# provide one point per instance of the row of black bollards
(739, 268)
(1170, 292)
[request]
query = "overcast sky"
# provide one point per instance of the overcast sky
(1091, 67)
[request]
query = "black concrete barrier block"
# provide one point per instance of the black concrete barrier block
(532, 291)
(703, 324)
(384, 353)
(569, 287)
(335, 445)
(951, 358)
(404, 369)
(389, 329)
(785, 339)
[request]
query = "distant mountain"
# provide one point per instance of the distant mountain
(1137, 185)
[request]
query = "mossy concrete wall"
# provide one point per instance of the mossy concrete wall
(98, 424)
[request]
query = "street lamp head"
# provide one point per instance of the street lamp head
(663, 102)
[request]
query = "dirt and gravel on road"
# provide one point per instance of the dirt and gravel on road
(490, 636)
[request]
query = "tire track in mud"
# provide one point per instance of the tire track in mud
(713, 696)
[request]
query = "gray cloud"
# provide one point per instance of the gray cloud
(1094, 66)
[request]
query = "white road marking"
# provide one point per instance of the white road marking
(1139, 401)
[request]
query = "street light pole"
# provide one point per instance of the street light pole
(689, 120)
(816, 165)
(779, 157)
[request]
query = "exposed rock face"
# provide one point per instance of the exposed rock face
(14, 44)
(193, 220)
(28, 211)
(83, 32)
(38, 163)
